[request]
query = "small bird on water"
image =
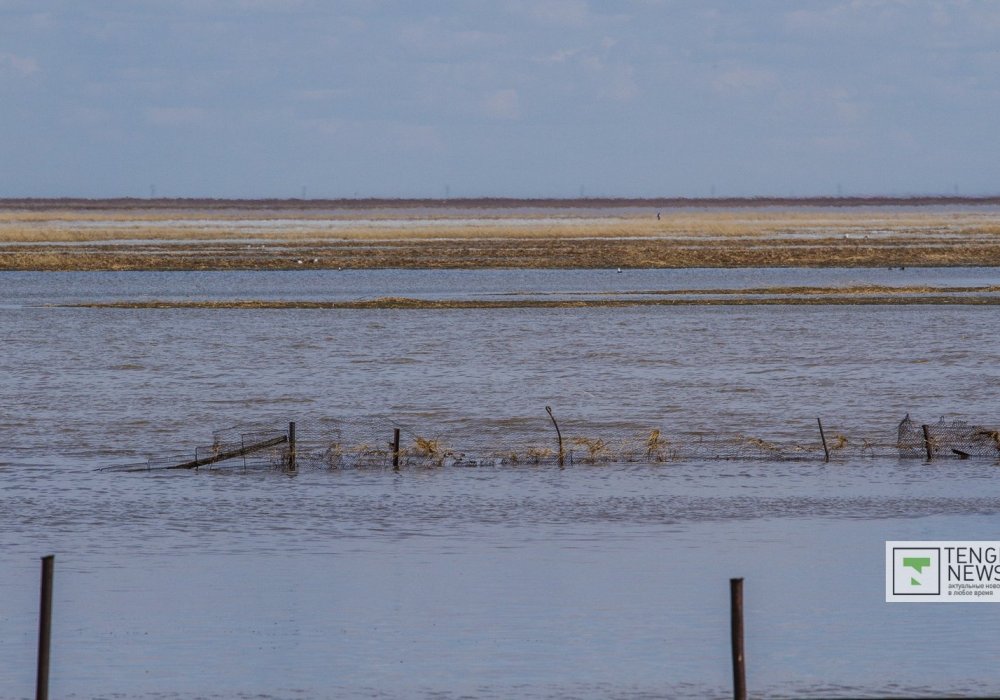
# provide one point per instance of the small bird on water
(619, 270)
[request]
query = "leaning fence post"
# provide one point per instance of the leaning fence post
(736, 627)
(395, 448)
(45, 628)
(291, 447)
(822, 437)
(927, 443)
(548, 409)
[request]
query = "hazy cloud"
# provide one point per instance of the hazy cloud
(560, 56)
(433, 35)
(414, 137)
(607, 76)
(320, 94)
(615, 81)
(846, 108)
(175, 116)
(569, 13)
(88, 116)
(502, 104)
(745, 80)
(17, 66)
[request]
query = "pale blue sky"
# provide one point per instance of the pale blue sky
(258, 98)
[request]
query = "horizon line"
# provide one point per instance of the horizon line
(501, 202)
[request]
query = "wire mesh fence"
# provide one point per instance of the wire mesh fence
(379, 443)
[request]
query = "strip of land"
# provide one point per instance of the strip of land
(832, 297)
(470, 234)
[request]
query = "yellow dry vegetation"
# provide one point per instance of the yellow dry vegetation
(220, 239)
(388, 225)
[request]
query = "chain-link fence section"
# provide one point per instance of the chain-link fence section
(379, 443)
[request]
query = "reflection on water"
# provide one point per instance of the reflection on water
(593, 581)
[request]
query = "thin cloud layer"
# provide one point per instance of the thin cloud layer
(248, 98)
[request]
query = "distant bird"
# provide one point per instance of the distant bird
(315, 260)
(657, 216)
(299, 262)
(619, 270)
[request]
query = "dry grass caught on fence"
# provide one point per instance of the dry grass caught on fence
(358, 445)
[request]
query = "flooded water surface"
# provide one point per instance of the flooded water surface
(593, 581)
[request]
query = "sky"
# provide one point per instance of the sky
(501, 98)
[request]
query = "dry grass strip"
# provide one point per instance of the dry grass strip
(509, 253)
(439, 304)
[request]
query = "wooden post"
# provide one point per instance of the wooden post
(822, 437)
(548, 409)
(395, 449)
(736, 624)
(45, 629)
(291, 447)
(927, 443)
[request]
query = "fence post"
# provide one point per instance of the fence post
(395, 449)
(927, 443)
(822, 437)
(44, 628)
(736, 627)
(291, 447)
(548, 409)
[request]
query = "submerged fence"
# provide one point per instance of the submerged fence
(379, 444)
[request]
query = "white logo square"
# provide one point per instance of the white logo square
(916, 571)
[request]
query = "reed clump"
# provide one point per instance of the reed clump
(596, 448)
(333, 455)
(759, 444)
(370, 455)
(425, 447)
(658, 448)
(993, 435)
(429, 451)
(536, 455)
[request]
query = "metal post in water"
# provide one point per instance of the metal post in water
(45, 628)
(736, 625)
(291, 447)
(395, 449)
(548, 409)
(927, 443)
(822, 437)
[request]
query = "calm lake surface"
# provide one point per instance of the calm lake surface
(589, 582)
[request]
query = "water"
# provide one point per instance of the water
(32, 288)
(592, 582)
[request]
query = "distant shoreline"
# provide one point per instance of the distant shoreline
(183, 234)
(169, 203)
